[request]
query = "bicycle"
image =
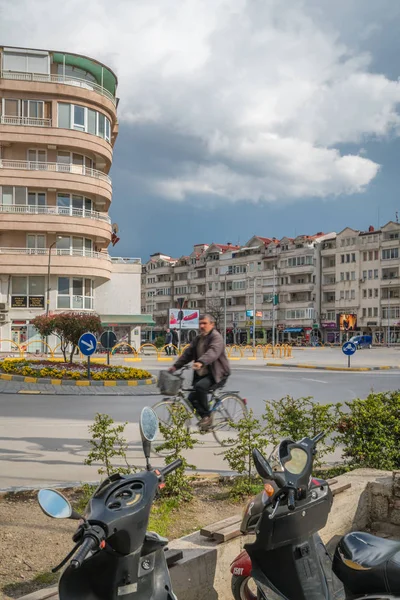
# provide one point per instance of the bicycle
(221, 403)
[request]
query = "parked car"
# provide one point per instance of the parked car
(362, 341)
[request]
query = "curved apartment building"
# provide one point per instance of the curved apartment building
(58, 126)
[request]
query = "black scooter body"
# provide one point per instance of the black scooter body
(289, 544)
(132, 566)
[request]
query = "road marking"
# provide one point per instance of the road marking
(316, 380)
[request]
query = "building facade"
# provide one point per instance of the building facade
(324, 287)
(58, 126)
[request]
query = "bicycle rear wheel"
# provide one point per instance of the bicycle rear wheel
(231, 408)
(163, 410)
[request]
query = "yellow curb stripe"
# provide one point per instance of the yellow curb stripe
(6, 377)
(30, 379)
(110, 383)
(55, 381)
(132, 382)
(165, 358)
(82, 383)
(133, 359)
(234, 357)
(149, 381)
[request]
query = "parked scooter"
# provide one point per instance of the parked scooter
(288, 560)
(114, 556)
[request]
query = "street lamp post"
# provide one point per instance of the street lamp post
(226, 272)
(254, 312)
(48, 277)
(388, 326)
(273, 309)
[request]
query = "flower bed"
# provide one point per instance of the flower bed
(62, 370)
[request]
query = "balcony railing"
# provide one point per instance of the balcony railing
(27, 165)
(29, 121)
(126, 261)
(26, 209)
(64, 79)
(56, 252)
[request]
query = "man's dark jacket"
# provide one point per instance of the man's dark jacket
(214, 355)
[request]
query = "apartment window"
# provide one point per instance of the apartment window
(364, 312)
(375, 311)
(353, 294)
(353, 275)
(210, 271)
(364, 275)
(31, 109)
(370, 274)
(370, 293)
(73, 163)
(71, 204)
(365, 255)
(75, 292)
(376, 293)
(370, 255)
(300, 261)
(37, 159)
(390, 253)
(81, 118)
(376, 255)
(210, 287)
(347, 258)
(32, 61)
(75, 246)
(36, 199)
(347, 276)
(347, 294)
(364, 293)
(376, 274)
(342, 294)
(10, 195)
(392, 313)
(353, 257)
(342, 258)
(369, 311)
(27, 292)
(341, 276)
(36, 243)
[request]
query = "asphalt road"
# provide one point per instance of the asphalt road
(43, 438)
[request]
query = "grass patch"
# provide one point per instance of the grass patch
(162, 515)
(39, 581)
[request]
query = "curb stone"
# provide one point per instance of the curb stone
(77, 383)
(50, 592)
(320, 368)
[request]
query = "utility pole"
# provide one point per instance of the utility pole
(388, 327)
(254, 312)
(226, 272)
(273, 309)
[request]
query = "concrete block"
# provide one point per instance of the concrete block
(396, 483)
(379, 509)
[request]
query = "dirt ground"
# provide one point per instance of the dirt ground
(31, 543)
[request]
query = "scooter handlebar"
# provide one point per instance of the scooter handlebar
(171, 467)
(291, 500)
(88, 545)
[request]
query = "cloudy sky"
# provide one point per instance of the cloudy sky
(238, 117)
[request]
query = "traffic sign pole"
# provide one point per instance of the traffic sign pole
(348, 361)
(88, 367)
(349, 349)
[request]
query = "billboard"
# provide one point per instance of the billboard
(347, 322)
(190, 319)
(249, 314)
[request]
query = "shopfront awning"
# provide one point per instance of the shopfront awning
(293, 330)
(115, 320)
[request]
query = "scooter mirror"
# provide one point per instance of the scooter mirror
(148, 424)
(148, 430)
(263, 467)
(54, 505)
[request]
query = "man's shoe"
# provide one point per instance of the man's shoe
(205, 423)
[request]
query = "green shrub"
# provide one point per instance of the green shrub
(107, 443)
(303, 417)
(370, 432)
(159, 342)
(177, 439)
(250, 435)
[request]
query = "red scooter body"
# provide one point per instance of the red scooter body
(241, 565)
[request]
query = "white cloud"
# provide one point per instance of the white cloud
(267, 89)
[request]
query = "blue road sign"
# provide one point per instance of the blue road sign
(87, 343)
(251, 330)
(349, 348)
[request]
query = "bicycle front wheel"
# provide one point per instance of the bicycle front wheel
(163, 411)
(230, 409)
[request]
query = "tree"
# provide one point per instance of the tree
(215, 308)
(68, 327)
(108, 443)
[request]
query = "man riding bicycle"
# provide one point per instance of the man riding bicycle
(211, 366)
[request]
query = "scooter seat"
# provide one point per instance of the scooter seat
(368, 564)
